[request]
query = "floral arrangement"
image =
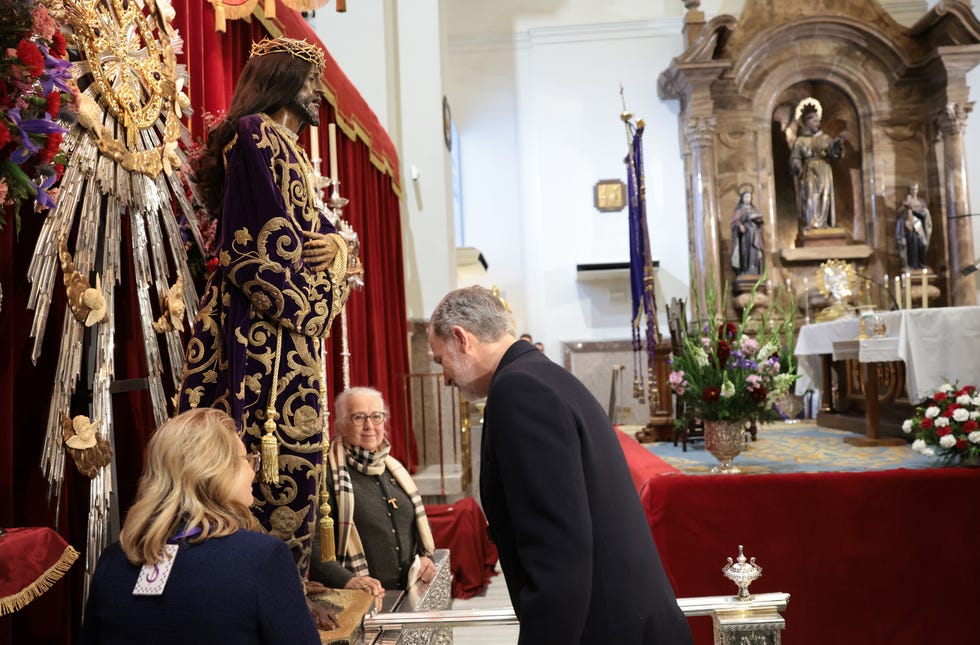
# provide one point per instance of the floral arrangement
(728, 372)
(37, 96)
(946, 424)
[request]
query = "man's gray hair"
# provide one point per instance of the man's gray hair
(341, 404)
(476, 310)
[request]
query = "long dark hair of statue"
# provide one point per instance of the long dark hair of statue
(267, 84)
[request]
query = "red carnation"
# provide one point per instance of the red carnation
(948, 412)
(711, 394)
(961, 443)
(724, 351)
(58, 45)
(927, 423)
(30, 57)
(51, 147)
(970, 425)
(4, 134)
(940, 396)
(54, 104)
(727, 330)
(942, 432)
(759, 394)
(970, 389)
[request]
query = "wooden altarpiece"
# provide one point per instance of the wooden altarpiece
(897, 96)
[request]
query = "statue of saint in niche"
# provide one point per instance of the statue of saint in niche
(913, 228)
(747, 251)
(810, 158)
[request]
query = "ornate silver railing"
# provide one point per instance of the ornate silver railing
(742, 618)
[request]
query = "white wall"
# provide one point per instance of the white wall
(393, 54)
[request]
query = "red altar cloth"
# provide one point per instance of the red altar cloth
(462, 528)
(867, 557)
(642, 463)
(31, 560)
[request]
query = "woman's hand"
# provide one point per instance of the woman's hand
(319, 250)
(427, 570)
(366, 583)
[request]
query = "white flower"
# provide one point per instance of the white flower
(964, 399)
(766, 351)
(929, 452)
(942, 422)
(727, 388)
(961, 415)
(907, 426)
(919, 446)
(932, 412)
(975, 414)
(700, 357)
(976, 401)
(973, 437)
(947, 441)
(945, 387)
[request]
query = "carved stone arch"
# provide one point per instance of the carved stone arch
(828, 42)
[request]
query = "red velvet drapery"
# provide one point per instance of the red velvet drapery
(376, 315)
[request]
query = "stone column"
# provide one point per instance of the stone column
(699, 134)
(959, 232)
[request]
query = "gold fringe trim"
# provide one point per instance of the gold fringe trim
(303, 5)
(224, 12)
(19, 600)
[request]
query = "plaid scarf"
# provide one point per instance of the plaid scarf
(350, 551)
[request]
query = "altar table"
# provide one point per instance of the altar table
(935, 345)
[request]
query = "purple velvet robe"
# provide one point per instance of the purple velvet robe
(262, 292)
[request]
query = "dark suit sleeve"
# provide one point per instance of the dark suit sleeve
(538, 452)
(283, 615)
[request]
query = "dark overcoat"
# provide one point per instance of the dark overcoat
(574, 544)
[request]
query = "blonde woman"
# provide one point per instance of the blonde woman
(188, 568)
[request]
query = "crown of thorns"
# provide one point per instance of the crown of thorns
(296, 48)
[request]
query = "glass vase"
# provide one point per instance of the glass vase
(724, 440)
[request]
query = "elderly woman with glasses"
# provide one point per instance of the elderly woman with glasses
(380, 523)
(189, 566)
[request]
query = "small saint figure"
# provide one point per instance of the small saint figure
(810, 159)
(913, 228)
(747, 249)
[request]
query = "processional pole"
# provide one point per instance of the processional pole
(642, 278)
(334, 214)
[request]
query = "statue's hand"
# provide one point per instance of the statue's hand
(357, 269)
(319, 250)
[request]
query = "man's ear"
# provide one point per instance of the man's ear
(461, 339)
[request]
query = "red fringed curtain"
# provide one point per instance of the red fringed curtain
(378, 337)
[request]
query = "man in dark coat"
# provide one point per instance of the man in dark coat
(574, 544)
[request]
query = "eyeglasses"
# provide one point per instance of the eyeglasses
(254, 460)
(377, 418)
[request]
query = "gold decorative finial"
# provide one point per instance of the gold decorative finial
(625, 116)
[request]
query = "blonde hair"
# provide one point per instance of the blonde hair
(192, 463)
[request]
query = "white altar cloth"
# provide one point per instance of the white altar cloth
(936, 345)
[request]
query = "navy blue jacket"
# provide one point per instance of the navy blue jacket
(574, 544)
(241, 589)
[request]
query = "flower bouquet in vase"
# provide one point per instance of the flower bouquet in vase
(729, 374)
(947, 425)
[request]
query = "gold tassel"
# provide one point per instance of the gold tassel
(328, 550)
(270, 449)
(219, 18)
